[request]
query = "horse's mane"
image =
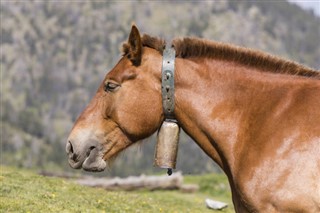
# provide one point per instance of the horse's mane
(195, 47)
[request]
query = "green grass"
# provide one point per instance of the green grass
(215, 186)
(25, 191)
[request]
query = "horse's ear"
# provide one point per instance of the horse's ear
(135, 49)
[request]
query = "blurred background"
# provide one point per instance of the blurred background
(54, 55)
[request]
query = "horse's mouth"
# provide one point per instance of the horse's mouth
(89, 160)
(94, 161)
(93, 155)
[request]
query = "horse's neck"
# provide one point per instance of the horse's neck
(214, 102)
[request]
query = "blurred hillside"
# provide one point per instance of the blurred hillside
(54, 54)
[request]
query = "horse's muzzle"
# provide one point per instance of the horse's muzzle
(87, 156)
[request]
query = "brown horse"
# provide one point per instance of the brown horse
(256, 115)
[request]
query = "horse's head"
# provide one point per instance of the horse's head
(126, 108)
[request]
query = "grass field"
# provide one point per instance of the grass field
(25, 191)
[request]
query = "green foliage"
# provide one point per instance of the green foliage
(24, 191)
(55, 54)
(31, 121)
(216, 186)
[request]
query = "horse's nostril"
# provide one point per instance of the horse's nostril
(74, 157)
(69, 147)
(70, 151)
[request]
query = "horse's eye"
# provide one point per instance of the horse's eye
(110, 87)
